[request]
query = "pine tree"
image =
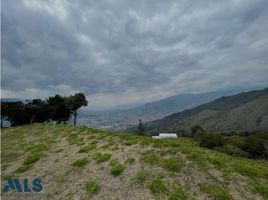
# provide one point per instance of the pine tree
(141, 130)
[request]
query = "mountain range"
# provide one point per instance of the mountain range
(247, 111)
(121, 119)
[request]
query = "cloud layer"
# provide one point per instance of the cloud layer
(121, 52)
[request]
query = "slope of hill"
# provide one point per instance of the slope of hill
(151, 111)
(82, 163)
(246, 111)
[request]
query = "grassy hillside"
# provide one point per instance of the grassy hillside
(242, 112)
(83, 163)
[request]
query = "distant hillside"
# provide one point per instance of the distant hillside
(84, 163)
(246, 111)
(151, 111)
(10, 100)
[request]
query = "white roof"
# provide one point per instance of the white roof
(167, 134)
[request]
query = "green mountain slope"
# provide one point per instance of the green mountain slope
(242, 112)
(83, 163)
(119, 119)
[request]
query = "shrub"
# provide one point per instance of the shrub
(257, 146)
(92, 187)
(211, 140)
(141, 177)
(157, 186)
(232, 150)
(117, 170)
(80, 162)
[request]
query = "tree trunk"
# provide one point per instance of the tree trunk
(32, 119)
(75, 115)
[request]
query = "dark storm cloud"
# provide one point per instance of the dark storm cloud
(129, 51)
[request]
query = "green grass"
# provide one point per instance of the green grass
(117, 169)
(151, 158)
(216, 192)
(32, 157)
(92, 188)
(262, 189)
(158, 186)
(141, 177)
(80, 162)
(171, 164)
(86, 149)
(178, 193)
(23, 168)
(99, 158)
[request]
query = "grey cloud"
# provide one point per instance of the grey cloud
(113, 47)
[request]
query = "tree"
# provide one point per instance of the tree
(197, 130)
(75, 102)
(38, 110)
(56, 108)
(141, 130)
(59, 110)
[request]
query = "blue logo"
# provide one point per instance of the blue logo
(20, 185)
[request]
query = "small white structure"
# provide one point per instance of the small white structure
(165, 135)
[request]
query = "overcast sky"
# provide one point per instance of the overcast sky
(121, 52)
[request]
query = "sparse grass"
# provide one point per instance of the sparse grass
(141, 177)
(178, 193)
(113, 162)
(216, 192)
(157, 186)
(35, 140)
(92, 188)
(80, 162)
(117, 169)
(171, 164)
(99, 158)
(151, 158)
(130, 161)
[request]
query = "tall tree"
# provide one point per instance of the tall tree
(75, 102)
(141, 130)
(59, 110)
